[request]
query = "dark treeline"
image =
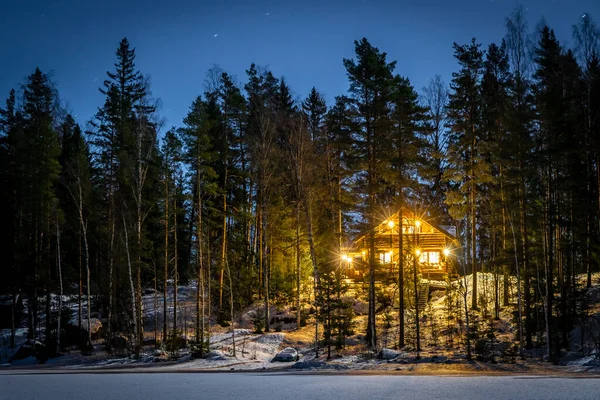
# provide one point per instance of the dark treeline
(256, 195)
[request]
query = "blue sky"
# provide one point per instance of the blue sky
(178, 41)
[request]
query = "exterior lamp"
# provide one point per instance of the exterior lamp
(346, 258)
(390, 224)
(418, 252)
(446, 252)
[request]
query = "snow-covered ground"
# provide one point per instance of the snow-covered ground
(6, 351)
(256, 351)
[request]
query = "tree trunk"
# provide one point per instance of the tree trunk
(79, 309)
(83, 224)
(60, 283)
(506, 277)
(231, 308)
(298, 310)
(12, 320)
(401, 343)
(525, 261)
(155, 304)
(265, 269)
(132, 288)
(415, 277)
(473, 227)
(313, 259)
(111, 284)
(519, 296)
(200, 306)
(371, 323)
(166, 264)
(224, 241)
(175, 271)
(140, 315)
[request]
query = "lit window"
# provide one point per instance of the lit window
(385, 258)
(430, 257)
(434, 257)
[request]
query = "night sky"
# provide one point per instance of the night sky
(178, 41)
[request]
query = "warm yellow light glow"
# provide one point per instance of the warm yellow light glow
(346, 258)
(390, 224)
(418, 252)
(417, 223)
(446, 252)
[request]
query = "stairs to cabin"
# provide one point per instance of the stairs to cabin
(423, 295)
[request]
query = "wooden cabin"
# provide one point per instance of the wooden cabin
(430, 244)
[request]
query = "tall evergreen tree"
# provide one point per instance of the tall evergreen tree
(370, 101)
(467, 168)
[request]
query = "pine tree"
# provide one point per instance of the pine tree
(495, 85)
(198, 157)
(10, 173)
(559, 140)
(39, 151)
(467, 168)
(409, 155)
(263, 100)
(370, 97)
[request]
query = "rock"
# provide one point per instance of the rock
(286, 355)
(216, 355)
(95, 327)
(387, 354)
(271, 338)
(309, 365)
(29, 349)
(360, 307)
(318, 365)
(159, 353)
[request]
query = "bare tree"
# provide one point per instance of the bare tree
(435, 98)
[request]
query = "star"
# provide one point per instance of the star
(267, 13)
(216, 35)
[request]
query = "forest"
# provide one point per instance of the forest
(256, 196)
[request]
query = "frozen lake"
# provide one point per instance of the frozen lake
(173, 386)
